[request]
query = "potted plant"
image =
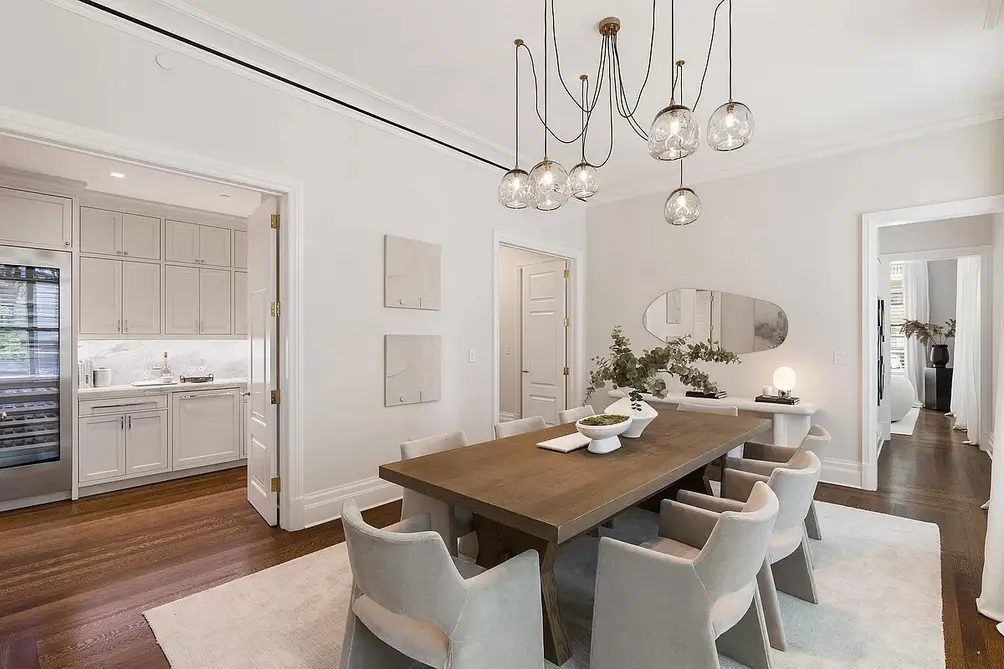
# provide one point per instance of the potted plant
(635, 375)
(603, 430)
(934, 335)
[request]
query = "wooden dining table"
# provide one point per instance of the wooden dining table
(524, 497)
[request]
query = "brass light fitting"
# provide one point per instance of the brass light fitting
(609, 26)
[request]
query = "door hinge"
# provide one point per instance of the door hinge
(568, 274)
(275, 221)
(275, 396)
(568, 322)
(276, 484)
(275, 310)
(566, 371)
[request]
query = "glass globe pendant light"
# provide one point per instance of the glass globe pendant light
(683, 207)
(675, 133)
(582, 180)
(548, 179)
(515, 191)
(731, 125)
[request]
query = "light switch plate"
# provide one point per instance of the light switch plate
(839, 357)
(471, 355)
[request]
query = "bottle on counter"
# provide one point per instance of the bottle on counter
(165, 370)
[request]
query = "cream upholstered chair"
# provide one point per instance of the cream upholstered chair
(762, 459)
(669, 603)
(411, 602)
(578, 413)
(454, 524)
(511, 428)
(701, 408)
(788, 566)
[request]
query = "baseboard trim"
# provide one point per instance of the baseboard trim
(114, 486)
(326, 505)
(845, 473)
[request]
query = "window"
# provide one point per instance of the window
(897, 316)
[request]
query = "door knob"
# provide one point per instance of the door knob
(526, 371)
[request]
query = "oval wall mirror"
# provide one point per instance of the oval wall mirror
(738, 323)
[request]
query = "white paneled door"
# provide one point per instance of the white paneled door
(543, 339)
(263, 415)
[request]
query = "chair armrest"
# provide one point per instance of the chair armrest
(716, 504)
(418, 523)
(502, 618)
(687, 524)
(739, 484)
(755, 450)
(762, 467)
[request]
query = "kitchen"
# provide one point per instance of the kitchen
(124, 347)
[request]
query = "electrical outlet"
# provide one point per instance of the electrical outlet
(839, 357)
(471, 356)
(507, 350)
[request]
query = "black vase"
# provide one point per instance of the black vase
(939, 355)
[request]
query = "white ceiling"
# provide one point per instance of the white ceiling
(143, 183)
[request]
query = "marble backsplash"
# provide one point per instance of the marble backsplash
(226, 359)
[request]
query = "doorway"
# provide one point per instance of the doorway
(536, 334)
(172, 330)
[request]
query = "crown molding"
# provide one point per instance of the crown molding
(623, 190)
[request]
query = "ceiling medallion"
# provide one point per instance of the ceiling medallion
(673, 135)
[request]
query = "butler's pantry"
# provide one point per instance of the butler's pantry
(125, 350)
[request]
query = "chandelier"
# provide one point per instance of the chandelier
(673, 136)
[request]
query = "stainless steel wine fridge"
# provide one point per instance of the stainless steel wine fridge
(35, 375)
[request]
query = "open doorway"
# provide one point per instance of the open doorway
(536, 332)
(128, 316)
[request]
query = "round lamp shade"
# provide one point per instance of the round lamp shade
(549, 185)
(582, 181)
(730, 127)
(784, 379)
(514, 191)
(682, 207)
(674, 134)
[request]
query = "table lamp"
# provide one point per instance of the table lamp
(784, 381)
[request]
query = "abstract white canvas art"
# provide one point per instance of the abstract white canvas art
(412, 369)
(411, 273)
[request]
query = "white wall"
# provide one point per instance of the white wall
(510, 339)
(935, 235)
(790, 235)
(942, 280)
(361, 181)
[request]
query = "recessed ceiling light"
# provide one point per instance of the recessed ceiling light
(117, 175)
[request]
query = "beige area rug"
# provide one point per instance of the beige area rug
(879, 581)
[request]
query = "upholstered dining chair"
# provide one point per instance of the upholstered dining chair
(511, 428)
(672, 601)
(578, 413)
(761, 458)
(454, 524)
(702, 408)
(788, 566)
(411, 602)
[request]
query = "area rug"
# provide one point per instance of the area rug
(906, 425)
(878, 576)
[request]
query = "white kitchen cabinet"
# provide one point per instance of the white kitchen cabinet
(214, 246)
(140, 236)
(33, 219)
(240, 300)
(147, 448)
(205, 428)
(198, 244)
(181, 300)
(214, 298)
(101, 453)
(114, 233)
(140, 298)
(240, 249)
(100, 296)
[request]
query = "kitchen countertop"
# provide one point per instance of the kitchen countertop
(128, 389)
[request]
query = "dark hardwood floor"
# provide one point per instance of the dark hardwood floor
(76, 577)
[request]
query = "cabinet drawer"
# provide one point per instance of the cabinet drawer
(122, 405)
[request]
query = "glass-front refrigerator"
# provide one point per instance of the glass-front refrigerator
(35, 375)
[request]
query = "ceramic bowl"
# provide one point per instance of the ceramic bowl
(604, 437)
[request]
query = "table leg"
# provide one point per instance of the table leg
(495, 542)
(721, 464)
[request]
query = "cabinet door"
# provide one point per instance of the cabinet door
(100, 296)
(33, 219)
(214, 294)
(181, 300)
(140, 236)
(147, 449)
(214, 246)
(240, 249)
(140, 298)
(182, 242)
(206, 428)
(99, 231)
(240, 300)
(101, 448)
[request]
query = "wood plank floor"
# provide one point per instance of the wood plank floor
(76, 577)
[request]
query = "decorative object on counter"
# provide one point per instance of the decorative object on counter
(721, 394)
(166, 375)
(200, 378)
(102, 377)
(85, 374)
(934, 335)
(155, 382)
(768, 391)
(784, 381)
(745, 324)
(411, 273)
(603, 430)
(635, 375)
(774, 399)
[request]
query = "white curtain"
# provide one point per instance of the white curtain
(916, 303)
(968, 370)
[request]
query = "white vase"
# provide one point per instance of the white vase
(640, 418)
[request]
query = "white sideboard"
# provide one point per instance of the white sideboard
(127, 433)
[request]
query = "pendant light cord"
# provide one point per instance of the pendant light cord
(672, 48)
(516, 114)
(711, 45)
(545, 80)
(585, 94)
(730, 50)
